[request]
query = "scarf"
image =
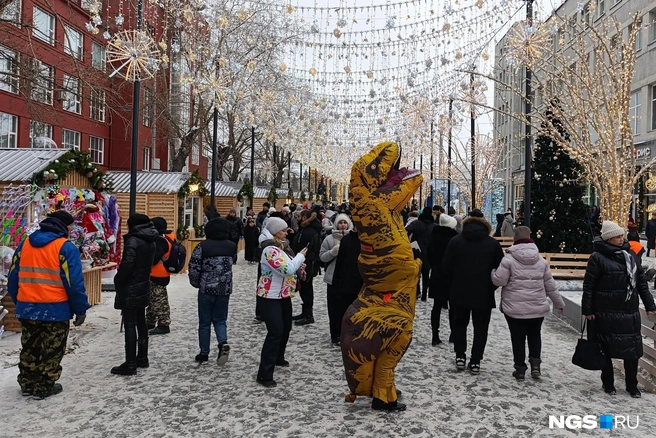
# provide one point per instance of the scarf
(631, 270)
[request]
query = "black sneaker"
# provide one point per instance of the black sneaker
(56, 389)
(200, 358)
(267, 383)
(160, 330)
(298, 317)
(305, 321)
(125, 369)
(224, 354)
(335, 342)
(460, 363)
(282, 363)
(379, 405)
(474, 368)
(635, 392)
(610, 390)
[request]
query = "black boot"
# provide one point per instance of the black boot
(298, 317)
(160, 330)
(535, 367)
(520, 372)
(436, 338)
(129, 367)
(379, 405)
(142, 355)
(305, 321)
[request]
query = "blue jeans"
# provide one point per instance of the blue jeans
(212, 310)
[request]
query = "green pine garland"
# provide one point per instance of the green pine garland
(273, 195)
(194, 178)
(246, 191)
(79, 161)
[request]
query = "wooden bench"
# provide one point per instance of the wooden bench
(505, 242)
(567, 266)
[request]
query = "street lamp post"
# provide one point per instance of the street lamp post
(472, 119)
(252, 160)
(212, 208)
(135, 126)
(448, 162)
(527, 130)
(431, 167)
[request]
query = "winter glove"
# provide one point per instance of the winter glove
(334, 251)
(79, 320)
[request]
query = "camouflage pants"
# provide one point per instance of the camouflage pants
(44, 345)
(159, 311)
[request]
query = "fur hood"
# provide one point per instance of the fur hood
(476, 228)
(343, 217)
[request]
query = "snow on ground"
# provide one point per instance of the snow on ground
(176, 398)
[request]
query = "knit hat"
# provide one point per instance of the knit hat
(632, 227)
(275, 225)
(476, 213)
(448, 221)
(63, 216)
(137, 219)
(160, 224)
(522, 232)
(610, 229)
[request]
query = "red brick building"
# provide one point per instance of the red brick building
(55, 87)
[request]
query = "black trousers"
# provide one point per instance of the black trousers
(436, 314)
(481, 321)
(307, 295)
(43, 347)
(521, 331)
(630, 371)
(338, 302)
(277, 315)
(424, 276)
(134, 321)
(234, 256)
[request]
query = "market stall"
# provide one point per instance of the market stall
(42, 181)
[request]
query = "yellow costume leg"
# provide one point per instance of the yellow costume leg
(384, 387)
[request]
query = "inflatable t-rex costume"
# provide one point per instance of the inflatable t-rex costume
(377, 327)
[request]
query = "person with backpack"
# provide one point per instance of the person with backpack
(158, 314)
(210, 270)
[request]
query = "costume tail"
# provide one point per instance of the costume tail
(350, 397)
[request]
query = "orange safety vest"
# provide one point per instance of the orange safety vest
(636, 247)
(39, 273)
(159, 270)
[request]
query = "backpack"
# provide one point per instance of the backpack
(177, 258)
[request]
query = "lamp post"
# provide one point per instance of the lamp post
(472, 119)
(448, 162)
(431, 167)
(212, 208)
(252, 160)
(421, 187)
(135, 126)
(527, 130)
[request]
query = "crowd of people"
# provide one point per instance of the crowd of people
(463, 265)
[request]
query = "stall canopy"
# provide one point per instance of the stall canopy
(21, 164)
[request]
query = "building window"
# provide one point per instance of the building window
(634, 112)
(41, 135)
(147, 108)
(12, 12)
(8, 70)
(98, 56)
(653, 107)
(195, 154)
(97, 149)
(600, 8)
(586, 14)
(70, 95)
(42, 83)
(97, 105)
(73, 42)
(146, 159)
(652, 26)
(8, 130)
(637, 46)
(70, 139)
(43, 25)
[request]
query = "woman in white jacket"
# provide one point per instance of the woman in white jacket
(526, 282)
(328, 254)
(275, 288)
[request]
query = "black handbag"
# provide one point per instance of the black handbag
(588, 355)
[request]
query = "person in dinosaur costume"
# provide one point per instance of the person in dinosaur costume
(377, 327)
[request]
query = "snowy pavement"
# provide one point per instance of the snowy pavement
(176, 398)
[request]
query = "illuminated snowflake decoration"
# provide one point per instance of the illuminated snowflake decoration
(650, 184)
(133, 55)
(472, 97)
(528, 44)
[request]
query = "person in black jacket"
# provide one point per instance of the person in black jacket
(347, 281)
(650, 232)
(611, 286)
(440, 238)
(309, 233)
(261, 216)
(132, 282)
(210, 270)
(251, 233)
(420, 231)
(500, 219)
(236, 230)
(468, 262)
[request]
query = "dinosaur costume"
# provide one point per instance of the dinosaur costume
(377, 327)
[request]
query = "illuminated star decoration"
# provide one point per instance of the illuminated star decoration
(133, 55)
(528, 44)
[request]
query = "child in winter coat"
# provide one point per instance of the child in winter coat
(210, 270)
(526, 282)
(251, 233)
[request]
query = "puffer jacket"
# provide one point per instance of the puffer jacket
(420, 231)
(617, 321)
(507, 229)
(278, 269)
(325, 252)
(210, 266)
(440, 238)
(526, 282)
(132, 280)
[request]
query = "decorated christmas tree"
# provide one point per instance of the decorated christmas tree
(559, 215)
